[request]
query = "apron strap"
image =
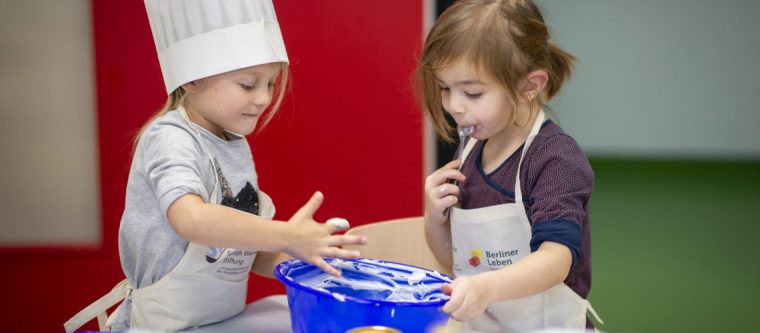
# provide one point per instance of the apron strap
(533, 132)
(593, 313)
(215, 192)
(466, 151)
(98, 308)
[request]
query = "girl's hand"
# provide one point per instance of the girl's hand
(469, 298)
(440, 194)
(310, 241)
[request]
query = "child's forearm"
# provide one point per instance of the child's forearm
(535, 273)
(438, 238)
(217, 225)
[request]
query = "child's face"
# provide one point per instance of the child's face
(474, 100)
(232, 101)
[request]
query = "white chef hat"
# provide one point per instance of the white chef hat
(201, 38)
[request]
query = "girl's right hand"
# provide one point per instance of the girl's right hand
(310, 241)
(469, 298)
(440, 194)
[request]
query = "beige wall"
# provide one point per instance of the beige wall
(47, 124)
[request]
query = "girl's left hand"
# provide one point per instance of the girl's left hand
(439, 194)
(469, 298)
(311, 241)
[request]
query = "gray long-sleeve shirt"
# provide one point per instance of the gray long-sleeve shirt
(168, 163)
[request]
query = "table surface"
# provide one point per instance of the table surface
(267, 315)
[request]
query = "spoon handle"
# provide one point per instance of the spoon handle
(463, 133)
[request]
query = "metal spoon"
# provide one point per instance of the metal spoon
(463, 133)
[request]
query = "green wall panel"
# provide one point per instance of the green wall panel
(675, 245)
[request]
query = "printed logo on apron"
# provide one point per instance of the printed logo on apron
(495, 259)
(246, 200)
(213, 254)
(475, 259)
(490, 238)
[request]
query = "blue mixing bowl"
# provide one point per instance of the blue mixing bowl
(369, 293)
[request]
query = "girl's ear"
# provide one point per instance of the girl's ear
(535, 82)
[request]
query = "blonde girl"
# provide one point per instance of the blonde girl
(195, 222)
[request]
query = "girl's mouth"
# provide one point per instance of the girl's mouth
(471, 129)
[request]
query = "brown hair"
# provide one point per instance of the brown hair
(177, 98)
(506, 39)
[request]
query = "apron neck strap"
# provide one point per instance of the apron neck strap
(215, 192)
(533, 131)
(466, 151)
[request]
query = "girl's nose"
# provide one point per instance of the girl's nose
(262, 97)
(453, 104)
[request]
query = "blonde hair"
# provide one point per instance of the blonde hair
(506, 39)
(177, 98)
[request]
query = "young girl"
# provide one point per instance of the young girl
(195, 222)
(510, 215)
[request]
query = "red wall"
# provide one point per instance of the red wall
(349, 128)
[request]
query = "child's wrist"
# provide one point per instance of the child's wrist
(289, 235)
(483, 280)
(432, 220)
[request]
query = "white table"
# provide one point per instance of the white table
(267, 315)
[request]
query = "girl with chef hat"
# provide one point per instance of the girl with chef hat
(195, 222)
(515, 229)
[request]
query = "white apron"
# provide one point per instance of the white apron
(494, 237)
(208, 285)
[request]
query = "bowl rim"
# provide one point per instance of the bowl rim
(291, 283)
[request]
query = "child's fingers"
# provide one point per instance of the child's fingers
(433, 181)
(454, 303)
(311, 206)
(319, 262)
(338, 240)
(336, 252)
(452, 164)
(446, 289)
(443, 204)
(441, 175)
(445, 190)
(454, 174)
(336, 224)
(449, 201)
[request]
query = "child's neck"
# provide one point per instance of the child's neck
(209, 126)
(500, 147)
